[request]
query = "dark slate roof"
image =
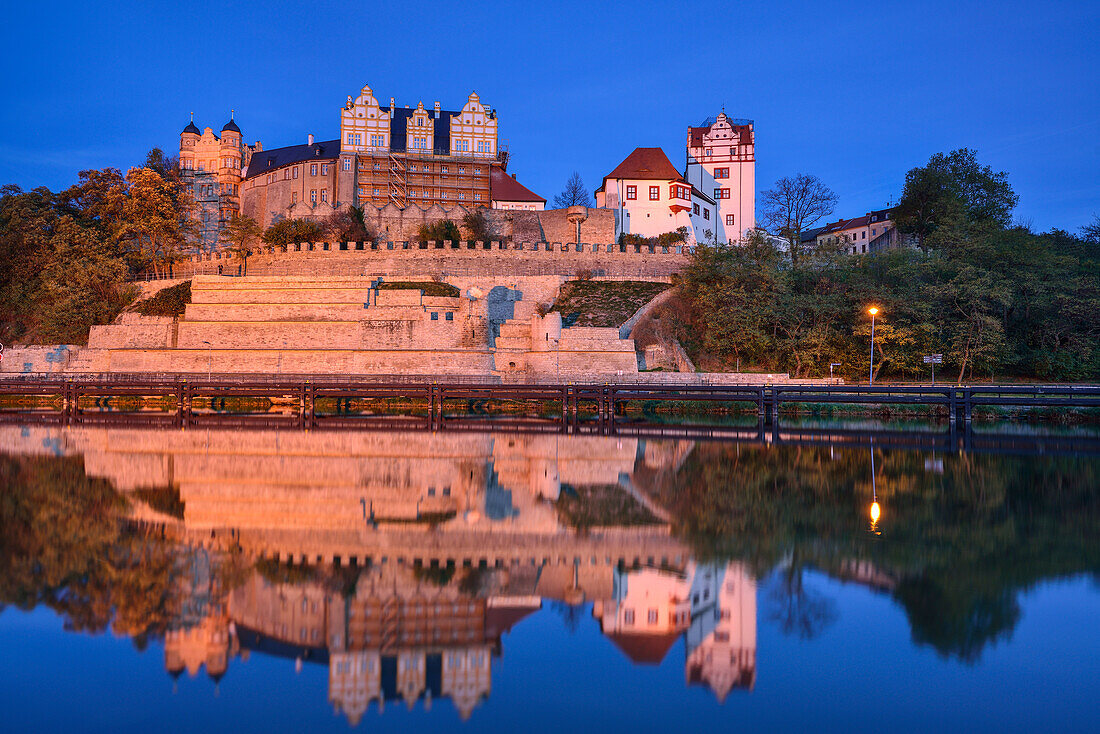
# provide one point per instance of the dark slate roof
(192, 129)
(268, 160)
(398, 125)
(231, 126)
(811, 234)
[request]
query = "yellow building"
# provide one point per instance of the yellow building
(386, 155)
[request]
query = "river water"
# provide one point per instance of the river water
(282, 580)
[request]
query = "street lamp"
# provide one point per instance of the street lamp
(871, 371)
(209, 359)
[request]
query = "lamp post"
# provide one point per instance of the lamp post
(209, 359)
(871, 371)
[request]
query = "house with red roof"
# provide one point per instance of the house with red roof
(873, 232)
(508, 193)
(650, 197)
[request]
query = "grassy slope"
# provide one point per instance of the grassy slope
(603, 303)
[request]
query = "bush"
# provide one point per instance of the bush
(166, 302)
(429, 289)
(293, 231)
(440, 231)
(477, 226)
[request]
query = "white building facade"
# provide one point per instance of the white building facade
(721, 162)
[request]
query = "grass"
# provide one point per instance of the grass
(166, 302)
(603, 302)
(429, 288)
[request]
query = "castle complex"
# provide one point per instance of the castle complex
(713, 200)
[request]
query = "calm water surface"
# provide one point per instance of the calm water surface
(219, 580)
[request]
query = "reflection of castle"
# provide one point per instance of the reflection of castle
(399, 559)
(716, 606)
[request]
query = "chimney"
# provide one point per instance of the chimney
(392, 104)
(309, 139)
(437, 109)
(513, 175)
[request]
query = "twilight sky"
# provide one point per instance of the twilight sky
(854, 93)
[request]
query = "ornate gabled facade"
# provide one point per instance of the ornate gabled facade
(721, 160)
(386, 156)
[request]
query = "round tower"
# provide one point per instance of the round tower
(188, 139)
(229, 166)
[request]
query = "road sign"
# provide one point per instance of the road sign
(933, 359)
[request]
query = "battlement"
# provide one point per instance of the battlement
(393, 258)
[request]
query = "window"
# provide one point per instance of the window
(709, 152)
(313, 195)
(706, 214)
(450, 317)
(324, 194)
(461, 195)
(721, 193)
(721, 173)
(295, 169)
(346, 164)
(873, 230)
(477, 196)
(435, 316)
(632, 192)
(462, 169)
(695, 209)
(286, 174)
(293, 197)
(378, 141)
(313, 169)
(484, 146)
(729, 220)
(654, 193)
(864, 235)
(442, 169)
(324, 169)
(462, 146)
(652, 617)
(628, 616)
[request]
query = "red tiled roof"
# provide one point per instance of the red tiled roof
(503, 187)
(742, 135)
(646, 163)
(645, 649)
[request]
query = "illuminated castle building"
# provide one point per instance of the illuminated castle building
(211, 166)
(388, 156)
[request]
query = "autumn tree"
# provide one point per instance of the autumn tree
(574, 194)
(794, 205)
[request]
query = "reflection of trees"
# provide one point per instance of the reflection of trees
(63, 545)
(796, 609)
(959, 545)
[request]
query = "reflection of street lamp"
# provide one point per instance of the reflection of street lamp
(876, 511)
(871, 373)
(831, 365)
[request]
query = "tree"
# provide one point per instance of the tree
(442, 230)
(243, 233)
(794, 205)
(574, 194)
(1091, 231)
(288, 232)
(348, 225)
(477, 226)
(953, 189)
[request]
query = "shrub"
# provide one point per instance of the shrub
(439, 231)
(166, 302)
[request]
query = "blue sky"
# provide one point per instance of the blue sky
(854, 93)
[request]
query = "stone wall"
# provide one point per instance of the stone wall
(498, 259)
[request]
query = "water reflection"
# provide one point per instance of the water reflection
(400, 560)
